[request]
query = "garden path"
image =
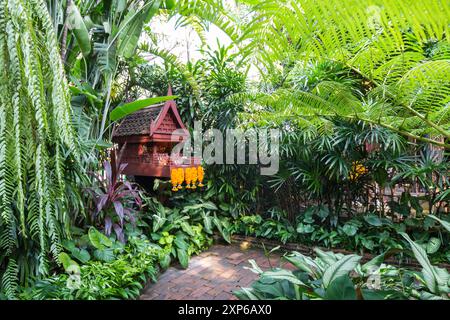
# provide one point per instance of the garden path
(211, 275)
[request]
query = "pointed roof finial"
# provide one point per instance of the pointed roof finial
(169, 91)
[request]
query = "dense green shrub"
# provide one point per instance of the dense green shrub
(101, 267)
(121, 278)
(361, 234)
(333, 276)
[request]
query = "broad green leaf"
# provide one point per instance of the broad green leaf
(341, 288)
(70, 266)
(180, 242)
(206, 205)
(445, 224)
(429, 296)
(69, 244)
(443, 280)
(255, 268)
(304, 228)
(186, 227)
(428, 223)
(88, 22)
(341, 267)
(128, 108)
(433, 245)
(81, 255)
(106, 255)
(272, 290)
(65, 260)
(373, 220)
(368, 243)
(246, 294)
(77, 91)
(381, 294)
(226, 235)
(165, 261)
(183, 257)
(378, 260)
(78, 27)
(323, 212)
(350, 229)
(207, 222)
(280, 274)
(106, 57)
(169, 4)
(98, 239)
(131, 27)
(435, 278)
(223, 231)
(158, 222)
(303, 262)
(327, 257)
(121, 5)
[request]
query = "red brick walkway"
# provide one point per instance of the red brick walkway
(212, 275)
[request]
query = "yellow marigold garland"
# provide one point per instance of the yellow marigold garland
(174, 179)
(200, 176)
(188, 178)
(180, 178)
(194, 177)
(190, 175)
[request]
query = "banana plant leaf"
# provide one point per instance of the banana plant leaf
(128, 108)
(131, 27)
(78, 27)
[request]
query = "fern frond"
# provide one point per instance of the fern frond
(10, 280)
(36, 141)
(402, 45)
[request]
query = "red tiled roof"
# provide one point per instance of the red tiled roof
(138, 123)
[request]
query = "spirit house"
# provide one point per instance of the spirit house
(149, 136)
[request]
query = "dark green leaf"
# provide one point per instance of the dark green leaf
(341, 288)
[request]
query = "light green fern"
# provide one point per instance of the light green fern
(39, 154)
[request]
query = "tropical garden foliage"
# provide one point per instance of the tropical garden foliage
(39, 154)
(360, 91)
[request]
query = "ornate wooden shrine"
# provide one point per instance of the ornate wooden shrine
(148, 136)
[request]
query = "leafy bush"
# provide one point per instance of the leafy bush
(269, 228)
(110, 269)
(121, 278)
(341, 277)
(329, 276)
(183, 232)
(333, 276)
(363, 234)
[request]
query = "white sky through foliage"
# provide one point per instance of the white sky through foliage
(184, 42)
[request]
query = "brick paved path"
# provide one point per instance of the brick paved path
(213, 274)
